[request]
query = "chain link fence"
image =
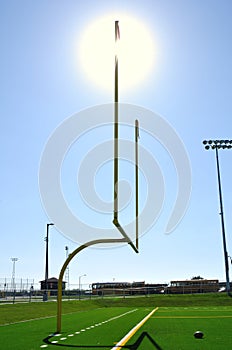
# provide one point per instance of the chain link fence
(26, 290)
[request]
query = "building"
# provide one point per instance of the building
(126, 288)
(52, 284)
(193, 286)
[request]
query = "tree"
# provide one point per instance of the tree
(197, 278)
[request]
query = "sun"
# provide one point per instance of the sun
(135, 50)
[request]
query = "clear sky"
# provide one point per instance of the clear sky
(43, 83)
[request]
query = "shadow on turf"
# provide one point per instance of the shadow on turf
(134, 346)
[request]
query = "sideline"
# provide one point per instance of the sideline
(129, 335)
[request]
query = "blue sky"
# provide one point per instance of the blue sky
(190, 87)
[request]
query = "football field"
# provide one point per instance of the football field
(141, 328)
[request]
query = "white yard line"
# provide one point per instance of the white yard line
(42, 318)
(89, 328)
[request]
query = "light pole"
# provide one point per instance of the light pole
(216, 145)
(45, 297)
(13, 273)
(80, 285)
(67, 269)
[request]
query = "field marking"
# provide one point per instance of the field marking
(106, 321)
(202, 309)
(129, 335)
(175, 317)
(24, 321)
(35, 319)
(45, 317)
(91, 327)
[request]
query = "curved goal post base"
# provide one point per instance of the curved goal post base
(62, 271)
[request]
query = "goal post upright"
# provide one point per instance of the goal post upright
(117, 37)
(125, 238)
(137, 183)
(116, 147)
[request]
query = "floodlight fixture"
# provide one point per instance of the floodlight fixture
(216, 145)
(13, 273)
(212, 144)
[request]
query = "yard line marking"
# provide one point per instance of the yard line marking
(90, 327)
(126, 313)
(40, 318)
(129, 335)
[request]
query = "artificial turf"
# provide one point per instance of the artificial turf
(174, 328)
(103, 322)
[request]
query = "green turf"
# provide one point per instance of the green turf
(24, 326)
(18, 312)
(173, 328)
(110, 325)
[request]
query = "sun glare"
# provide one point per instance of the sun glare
(135, 51)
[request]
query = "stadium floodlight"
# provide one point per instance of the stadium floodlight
(225, 144)
(216, 145)
(13, 273)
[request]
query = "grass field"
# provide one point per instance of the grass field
(102, 323)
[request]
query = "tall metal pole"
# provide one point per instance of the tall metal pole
(117, 36)
(223, 224)
(67, 270)
(13, 273)
(80, 285)
(116, 194)
(136, 184)
(45, 298)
